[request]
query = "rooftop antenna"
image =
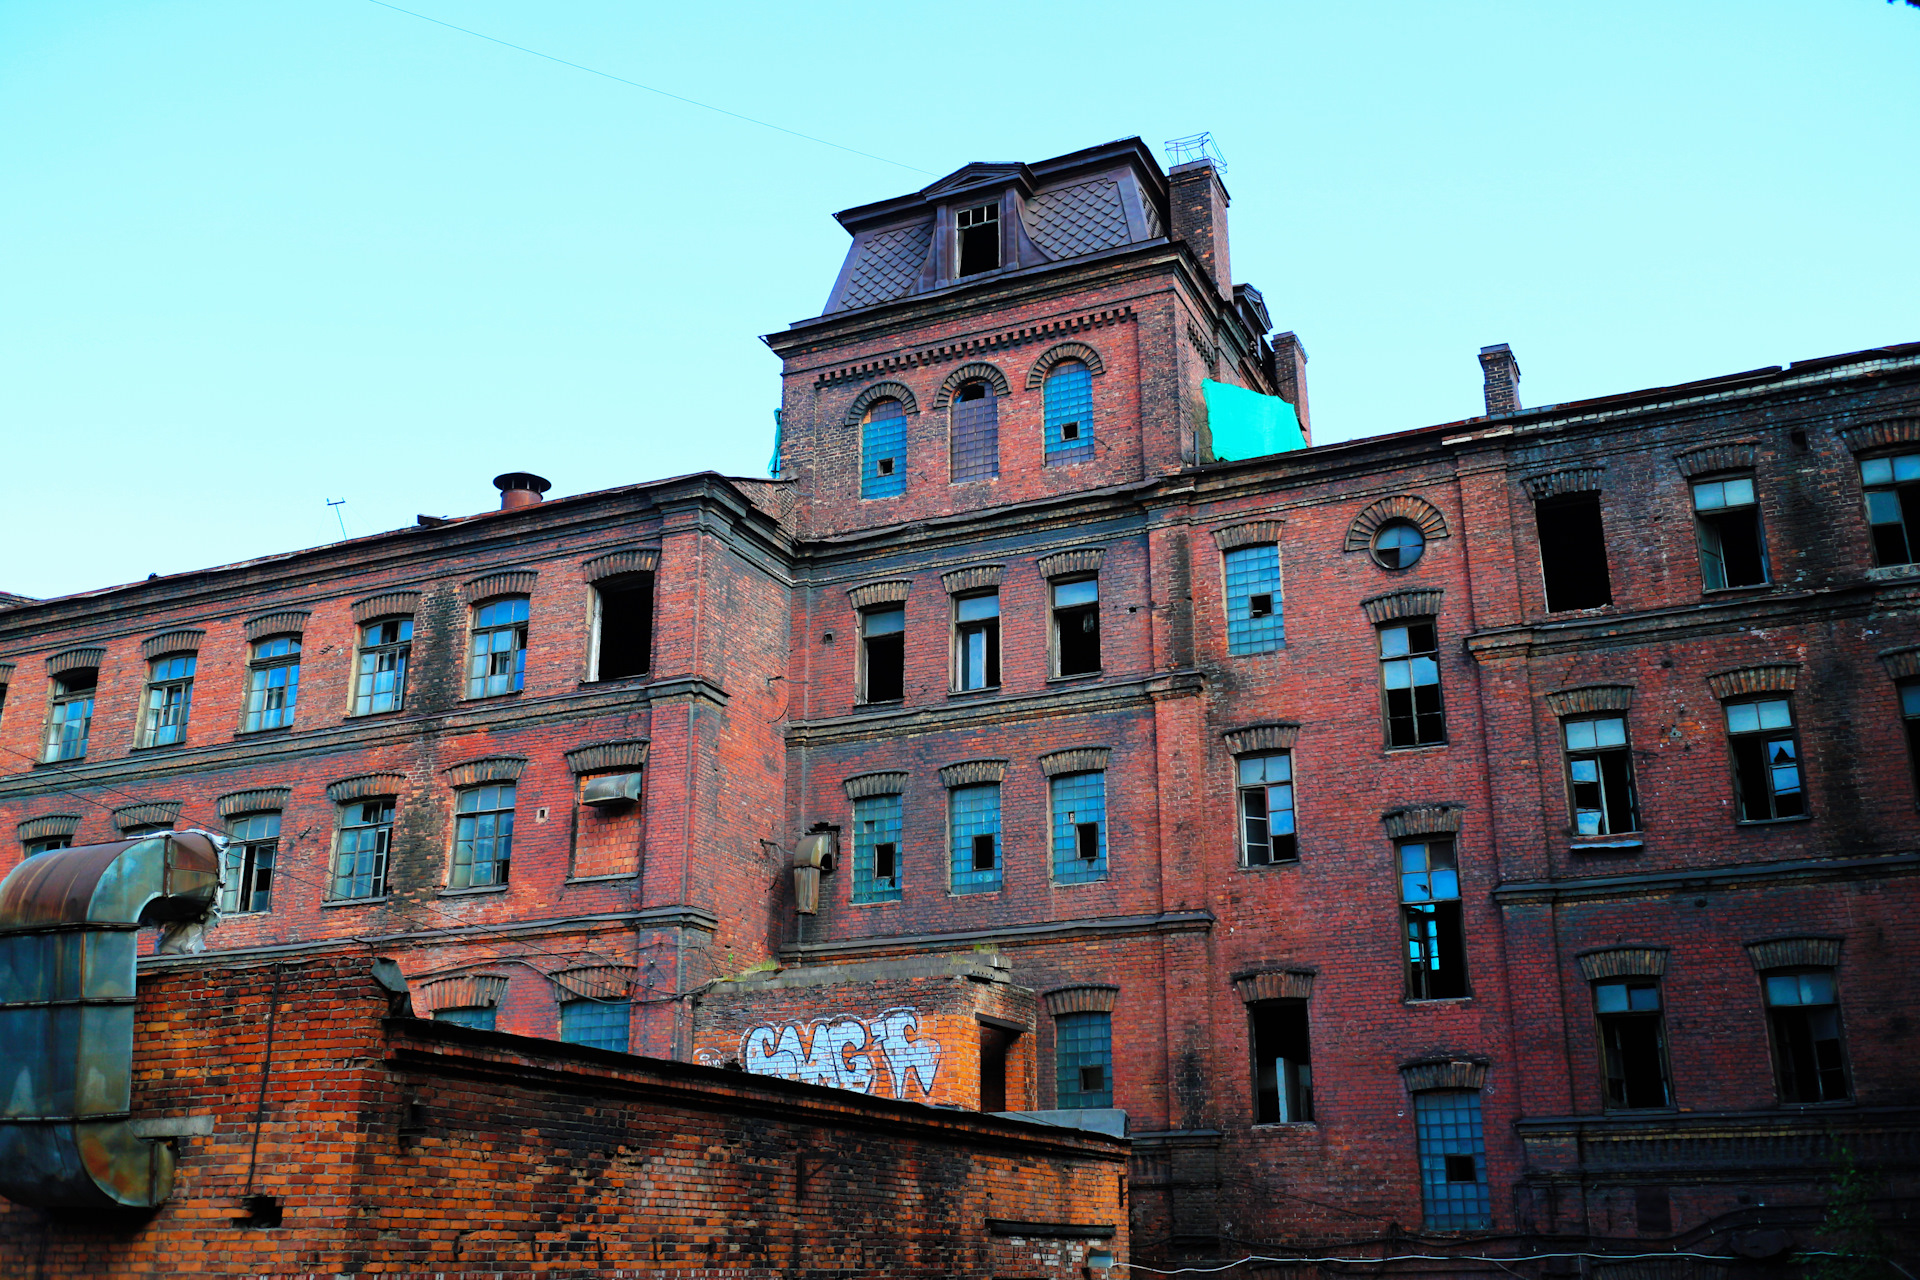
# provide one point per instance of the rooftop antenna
(1195, 147)
(336, 505)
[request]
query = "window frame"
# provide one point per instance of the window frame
(1624, 751)
(1410, 658)
(1906, 695)
(1055, 631)
(1379, 557)
(45, 844)
(59, 745)
(1784, 1071)
(1241, 790)
(1610, 1023)
(249, 857)
(986, 427)
(379, 874)
(1065, 848)
(988, 214)
(170, 718)
(478, 685)
(587, 1002)
(863, 658)
(989, 629)
(1558, 513)
(259, 712)
(1244, 639)
(1100, 1055)
(1904, 497)
(891, 820)
(1420, 949)
(961, 825)
(1060, 403)
(1293, 1077)
(400, 650)
(875, 484)
(643, 582)
(1708, 536)
(1765, 735)
(469, 836)
(1428, 1146)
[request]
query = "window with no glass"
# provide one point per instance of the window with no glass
(1573, 552)
(1266, 809)
(598, 1024)
(253, 839)
(1766, 760)
(380, 671)
(1893, 507)
(976, 640)
(973, 823)
(1804, 1018)
(623, 621)
(883, 653)
(1632, 1043)
(1453, 1160)
(978, 232)
(1253, 600)
(169, 699)
(1282, 1062)
(497, 652)
(1079, 827)
(1430, 914)
(360, 850)
(876, 849)
(1732, 550)
(883, 450)
(1600, 776)
(483, 836)
(974, 433)
(1069, 413)
(1398, 544)
(1076, 627)
(70, 718)
(1410, 683)
(1083, 1060)
(273, 683)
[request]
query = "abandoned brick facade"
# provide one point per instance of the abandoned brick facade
(1499, 830)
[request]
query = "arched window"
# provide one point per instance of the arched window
(975, 433)
(1069, 413)
(883, 450)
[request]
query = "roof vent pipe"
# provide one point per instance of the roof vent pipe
(520, 489)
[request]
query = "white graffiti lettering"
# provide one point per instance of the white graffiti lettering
(837, 1052)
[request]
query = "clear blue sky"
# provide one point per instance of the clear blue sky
(257, 256)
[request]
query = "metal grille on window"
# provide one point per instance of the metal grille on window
(883, 451)
(483, 836)
(974, 823)
(1079, 828)
(1410, 684)
(1453, 1160)
(497, 658)
(976, 433)
(273, 683)
(360, 857)
(1253, 600)
(1600, 776)
(252, 842)
(876, 849)
(70, 720)
(1893, 507)
(1083, 1060)
(1766, 760)
(480, 1017)
(1732, 552)
(1430, 905)
(1807, 1052)
(1266, 809)
(169, 700)
(380, 682)
(598, 1024)
(1069, 393)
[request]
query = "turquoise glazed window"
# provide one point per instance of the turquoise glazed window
(1069, 413)
(1453, 1160)
(598, 1024)
(876, 849)
(1253, 600)
(883, 451)
(1079, 828)
(974, 824)
(1083, 1060)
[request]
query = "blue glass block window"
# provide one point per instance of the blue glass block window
(598, 1024)
(479, 1019)
(1453, 1160)
(883, 451)
(1080, 828)
(1253, 600)
(1083, 1060)
(1069, 413)
(974, 821)
(876, 849)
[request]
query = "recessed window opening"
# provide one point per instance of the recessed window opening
(1732, 551)
(1398, 544)
(976, 647)
(1266, 809)
(884, 873)
(1909, 691)
(360, 854)
(883, 450)
(597, 1024)
(1076, 627)
(1893, 507)
(380, 674)
(876, 849)
(995, 1043)
(1453, 1160)
(1086, 841)
(985, 855)
(978, 229)
(273, 683)
(974, 435)
(1069, 413)
(497, 653)
(1079, 827)
(625, 645)
(479, 1017)
(1083, 1058)
(1632, 1041)
(70, 719)
(1804, 1017)
(1282, 1062)
(1573, 552)
(973, 813)
(1600, 776)
(169, 700)
(1430, 911)
(1766, 760)
(483, 836)
(883, 654)
(1410, 684)
(1253, 600)
(48, 845)
(253, 840)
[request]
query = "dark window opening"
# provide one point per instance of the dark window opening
(977, 641)
(883, 862)
(626, 629)
(884, 466)
(1893, 507)
(994, 1045)
(1632, 1042)
(1430, 909)
(259, 1211)
(1086, 837)
(1410, 684)
(1600, 776)
(1260, 605)
(1076, 627)
(1766, 760)
(979, 231)
(1069, 431)
(1573, 552)
(974, 439)
(1807, 1052)
(883, 657)
(1909, 691)
(1282, 1062)
(1461, 1168)
(1732, 552)
(1093, 1079)
(984, 856)
(1652, 1211)
(1266, 809)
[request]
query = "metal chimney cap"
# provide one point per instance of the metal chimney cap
(521, 480)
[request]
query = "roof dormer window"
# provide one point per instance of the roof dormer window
(979, 231)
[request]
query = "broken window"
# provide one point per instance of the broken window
(1893, 507)
(1083, 1060)
(1398, 544)
(973, 821)
(1410, 683)
(1766, 760)
(1282, 1062)
(1600, 776)
(483, 836)
(1732, 550)
(976, 640)
(624, 643)
(1253, 600)
(1430, 911)
(974, 433)
(1076, 627)
(1805, 1020)
(883, 450)
(995, 1045)
(360, 850)
(273, 683)
(1453, 1160)
(1069, 413)
(479, 1017)
(1909, 691)
(883, 654)
(497, 653)
(1266, 809)
(37, 847)
(380, 671)
(1632, 1043)
(70, 719)
(978, 230)
(1079, 827)
(597, 1024)
(253, 839)
(1573, 552)
(876, 849)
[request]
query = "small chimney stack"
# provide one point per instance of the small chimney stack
(519, 489)
(1503, 379)
(1290, 377)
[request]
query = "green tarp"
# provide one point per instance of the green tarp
(1246, 424)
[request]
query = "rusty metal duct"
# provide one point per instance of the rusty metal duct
(68, 922)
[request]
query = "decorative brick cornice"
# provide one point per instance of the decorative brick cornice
(67, 660)
(973, 347)
(258, 800)
(1901, 664)
(506, 582)
(875, 784)
(366, 785)
(1590, 698)
(869, 594)
(287, 622)
(595, 982)
(1252, 533)
(1879, 435)
(461, 991)
(1065, 564)
(1060, 353)
(6, 673)
(1708, 458)
(487, 769)
(874, 394)
(1623, 962)
(971, 579)
(388, 604)
(1082, 999)
(604, 757)
(616, 563)
(1569, 480)
(1773, 678)
(1401, 506)
(148, 813)
(971, 772)
(1075, 760)
(978, 371)
(183, 641)
(47, 826)
(1795, 953)
(1423, 820)
(1444, 1073)
(1277, 736)
(1414, 602)
(1275, 984)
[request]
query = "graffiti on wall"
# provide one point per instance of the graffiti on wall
(844, 1053)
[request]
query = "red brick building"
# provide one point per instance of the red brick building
(1499, 835)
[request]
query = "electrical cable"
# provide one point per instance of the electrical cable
(1451, 1257)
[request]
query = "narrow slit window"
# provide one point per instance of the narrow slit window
(483, 836)
(497, 653)
(70, 718)
(974, 433)
(1079, 827)
(1909, 691)
(169, 700)
(1803, 1014)
(883, 654)
(1893, 507)
(361, 848)
(1430, 911)
(1083, 1058)
(976, 641)
(978, 233)
(380, 674)
(1453, 1160)
(1266, 809)
(1253, 600)
(1410, 684)
(1733, 551)
(1600, 776)
(1633, 1043)
(1766, 760)
(883, 450)
(1573, 552)
(876, 849)
(1282, 1062)
(1069, 413)
(625, 642)
(1076, 627)
(974, 819)
(253, 840)
(273, 684)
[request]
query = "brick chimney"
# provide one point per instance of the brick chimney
(1503, 379)
(1199, 206)
(519, 489)
(1290, 376)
